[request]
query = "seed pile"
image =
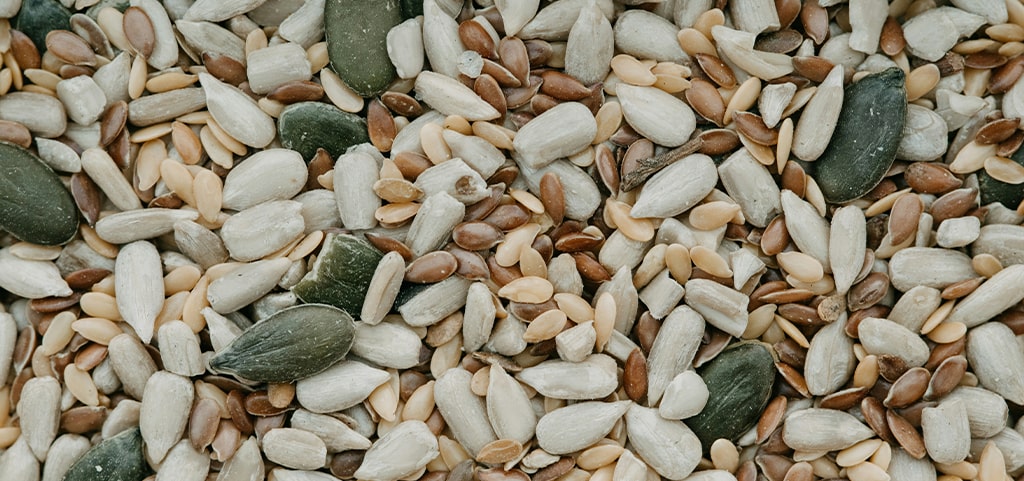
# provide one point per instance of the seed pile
(511, 240)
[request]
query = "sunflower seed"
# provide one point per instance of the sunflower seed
(582, 197)
(651, 111)
(337, 436)
(573, 428)
(65, 451)
(945, 267)
(591, 379)
(139, 287)
(387, 344)
(405, 48)
(545, 138)
(102, 170)
(294, 448)
(135, 225)
(30, 279)
(823, 430)
(819, 118)
(237, 113)
(271, 67)
(245, 284)
(272, 174)
(42, 114)
(738, 46)
(404, 450)
(39, 410)
(478, 321)
(450, 97)
(747, 182)
(882, 336)
(185, 462)
(180, 349)
(685, 396)
(508, 408)
(643, 34)
(441, 39)
(576, 343)
(340, 387)
(305, 25)
(384, 288)
(456, 178)
(946, 432)
(669, 447)
(165, 51)
(245, 465)
(464, 412)
(721, 306)
(590, 46)
(665, 196)
(997, 360)
(830, 360)
(83, 100)
(132, 363)
(166, 404)
(555, 21)
(19, 461)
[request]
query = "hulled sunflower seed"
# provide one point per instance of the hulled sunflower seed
(573, 428)
(997, 360)
(464, 412)
(669, 447)
(402, 451)
(139, 287)
(592, 378)
(166, 404)
(673, 350)
(546, 138)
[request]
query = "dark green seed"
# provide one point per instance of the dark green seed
(342, 273)
(292, 344)
(38, 17)
(356, 32)
(412, 8)
(34, 205)
(866, 138)
(119, 458)
(307, 126)
(739, 384)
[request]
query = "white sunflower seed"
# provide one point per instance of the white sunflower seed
(591, 45)
(354, 190)
(994, 296)
(555, 21)
(478, 318)
(669, 447)
(184, 463)
(476, 152)
(560, 131)
(676, 188)
(102, 170)
(643, 34)
(931, 267)
(576, 343)
(165, 50)
(434, 221)
(593, 378)
(673, 350)
(388, 344)
(508, 408)
(750, 184)
(404, 450)
(132, 363)
(946, 432)
(656, 114)
(819, 117)
(997, 360)
(237, 113)
(882, 336)
(464, 412)
(294, 448)
(341, 386)
(405, 48)
(271, 67)
(721, 306)
(384, 288)
(166, 404)
(830, 359)
(575, 427)
(336, 435)
(454, 177)
(272, 174)
(42, 114)
(245, 465)
(847, 243)
(179, 348)
(64, 451)
(138, 283)
(39, 411)
(134, 225)
(685, 396)
(823, 430)
(245, 284)
(31, 279)
(83, 100)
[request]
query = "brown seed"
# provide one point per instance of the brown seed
(845, 399)
(502, 275)
(946, 377)
(499, 452)
(813, 67)
(48, 305)
(706, 100)
(501, 74)
(203, 423)
(790, 352)
(774, 466)
(875, 417)
(905, 434)
(1013, 319)
(86, 278)
(138, 29)
(515, 58)
(800, 314)
(25, 52)
(802, 471)
(83, 419)
(590, 268)
(386, 244)
(634, 376)
(868, 292)
(604, 160)
(433, 267)
(953, 204)
(962, 288)
(485, 207)
(490, 91)
(411, 164)
(539, 52)
(1003, 78)
(498, 474)
(345, 463)
(997, 131)
(381, 126)
(892, 41)
(70, 48)
(929, 178)
(225, 68)
(297, 91)
(87, 197)
(771, 418)
(475, 37)
(476, 236)
(752, 126)
(891, 367)
(258, 404)
(508, 217)
(815, 21)
(908, 388)
(72, 71)
(793, 378)
(718, 141)
(1010, 146)
(562, 86)
(402, 104)
(904, 217)
(552, 196)
(113, 121)
(984, 60)
(556, 470)
(781, 41)
(15, 133)
(716, 70)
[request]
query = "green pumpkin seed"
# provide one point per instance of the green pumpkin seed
(342, 273)
(38, 17)
(34, 205)
(356, 33)
(739, 384)
(292, 344)
(306, 126)
(119, 458)
(866, 138)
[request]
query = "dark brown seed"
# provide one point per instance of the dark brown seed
(774, 466)
(562, 86)
(891, 367)
(87, 197)
(508, 217)
(297, 91)
(556, 470)
(539, 52)
(225, 68)
(552, 196)
(874, 415)
(1014, 320)
(790, 352)
(433, 267)
(541, 103)
(634, 376)
(954, 204)
(345, 463)
(90, 356)
(120, 149)
(962, 288)
(748, 470)
(476, 236)
(409, 382)
(856, 316)
(320, 164)
(813, 67)
(788, 297)
(83, 419)
(258, 404)
(505, 78)
(1003, 78)
(716, 70)
(402, 104)
(845, 399)
(411, 164)
(625, 136)
(646, 330)
(49, 305)
(604, 160)
(754, 128)
(85, 278)
(15, 133)
(997, 131)
(814, 18)
(984, 60)
(905, 434)
(793, 378)
(386, 244)
(236, 409)
(515, 58)
(70, 48)
(706, 100)
(71, 71)
(113, 121)
(892, 41)
(775, 237)
(718, 141)
(941, 352)
(908, 388)
(929, 178)
(577, 242)
(800, 472)
(138, 29)
(483, 208)
(203, 423)
(884, 188)
(867, 292)
(800, 314)
(380, 125)
(475, 37)
(781, 41)
(950, 63)
(946, 377)
(519, 96)
(25, 52)
(771, 418)
(502, 275)
(904, 217)
(794, 178)
(590, 268)
(488, 89)
(1009, 146)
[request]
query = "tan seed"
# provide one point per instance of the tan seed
(713, 215)
(529, 289)
(433, 267)
(1004, 170)
(709, 261)
(545, 326)
(70, 48)
(801, 266)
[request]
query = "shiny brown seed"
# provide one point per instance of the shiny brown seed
(781, 41)
(70, 48)
(946, 377)
(814, 18)
(891, 367)
(904, 217)
(138, 29)
(87, 197)
(515, 58)
(718, 141)
(15, 133)
(604, 160)
(297, 91)
(502, 275)
(929, 178)
(539, 52)
(954, 204)
(590, 268)
(774, 466)
(433, 267)
(556, 470)
(504, 77)
(490, 91)
(203, 423)
(905, 434)
(793, 378)
(499, 452)
(1003, 78)
(552, 195)
(113, 121)
(562, 86)
(875, 416)
(771, 418)
(83, 419)
(402, 104)
(386, 244)
(476, 236)
(72, 71)
(892, 41)
(86, 278)
(716, 70)
(25, 52)
(845, 399)
(752, 126)
(258, 404)
(380, 125)
(508, 217)
(997, 131)
(634, 376)
(345, 463)
(706, 100)
(813, 67)
(411, 164)
(225, 68)
(475, 37)
(54, 304)
(868, 292)
(962, 288)
(908, 388)
(800, 314)
(984, 60)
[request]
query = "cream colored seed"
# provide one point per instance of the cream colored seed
(575, 307)
(150, 133)
(318, 57)
(1004, 170)
(507, 253)
(694, 42)
(922, 80)
(857, 453)
(866, 373)
(306, 246)
(137, 77)
(801, 266)
(963, 469)
(225, 139)
(599, 456)
(637, 229)
(531, 263)
(458, 124)
(991, 467)
(609, 118)
(986, 265)
(81, 386)
(885, 203)
(340, 94)
(759, 321)
(724, 455)
(947, 332)
(528, 200)
(420, 403)
(744, 98)
(883, 456)
(604, 319)
(713, 215)
(432, 139)
(632, 71)
(384, 401)
(545, 326)
(709, 261)
(785, 145)
(59, 334)
(866, 472)
(98, 304)
(183, 278)
(170, 81)
(677, 259)
(97, 244)
(529, 289)
(792, 331)
(208, 188)
(937, 317)
(497, 135)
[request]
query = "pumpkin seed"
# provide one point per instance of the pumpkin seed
(740, 383)
(35, 205)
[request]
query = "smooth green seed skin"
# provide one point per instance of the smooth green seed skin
(306, 126)
(342, 274)
(356, 32)
(119, 458)
(34, 205)
(739, 384)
